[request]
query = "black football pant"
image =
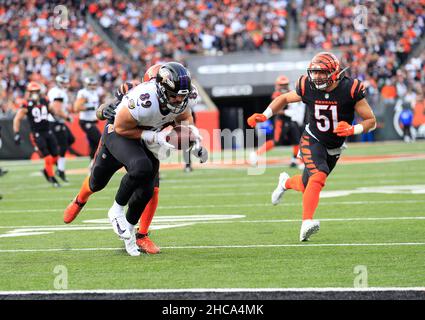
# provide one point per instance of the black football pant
(64, 137)
(316, 157)
(46, 143)
(137, 185)
(92, 133)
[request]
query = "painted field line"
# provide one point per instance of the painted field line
(248, 246)
(88, 226)
(204, 206)
(224, 290)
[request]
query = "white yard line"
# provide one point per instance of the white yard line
(157, 221)
(203, 206)
(248, 246)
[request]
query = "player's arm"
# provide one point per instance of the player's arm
(125, 125)
(185, 118)
(79, 104)
(17, 124)
(22, 112)
(368, 124)
(364, 110)
(274, 107)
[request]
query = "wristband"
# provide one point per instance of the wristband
(358, 128)
(268, 113)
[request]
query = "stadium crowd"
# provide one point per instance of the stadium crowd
(33, 47)
(36, 43)
(375, 39)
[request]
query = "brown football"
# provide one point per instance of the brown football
(181, 137)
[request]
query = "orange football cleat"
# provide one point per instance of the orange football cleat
(72, 210)
(145, 244)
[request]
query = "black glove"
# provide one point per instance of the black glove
(108, 111)
(17, 139)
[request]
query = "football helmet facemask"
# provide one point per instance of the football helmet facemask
(174, 85)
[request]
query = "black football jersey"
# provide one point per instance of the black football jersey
(326, 109)
(37, 114)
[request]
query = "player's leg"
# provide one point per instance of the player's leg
(41, 140)
(142, 168)
(318, 165)
(61, 137)
(286, 182)
(104, 167)
(93, 134)
(143, 241)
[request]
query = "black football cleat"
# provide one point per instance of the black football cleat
(54, 182)
(62, 175)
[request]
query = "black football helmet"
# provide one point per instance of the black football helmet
(173, 80)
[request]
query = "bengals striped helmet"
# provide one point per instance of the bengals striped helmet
(151, 72)
(281, 84)
(327, 63)
(33, 86)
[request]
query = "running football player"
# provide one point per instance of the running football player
(331, 99)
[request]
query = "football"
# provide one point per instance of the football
(181, 137)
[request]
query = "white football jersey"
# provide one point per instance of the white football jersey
(296, 111)
(142, 102)
(60, 94)
(92, 101)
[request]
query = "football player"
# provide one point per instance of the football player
(36, 108)
(331, 99)
(59, 104)
(86, 104)
(107, 112)
(136, 140)
(287, 126)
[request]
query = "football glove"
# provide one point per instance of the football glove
(344, 129)
(200, 153)
(198, 137)
(153, 137)
(17, 139)
(123, 89)
(108, 111)
(255, 118)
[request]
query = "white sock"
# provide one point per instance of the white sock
(61, 163)
(130, 227)
(117, 207)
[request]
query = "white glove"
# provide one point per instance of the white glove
(197, 135)
(159, 138)
(200, 153)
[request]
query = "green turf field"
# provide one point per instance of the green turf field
(217, 229)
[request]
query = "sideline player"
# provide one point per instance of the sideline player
(331, 99)
(59, 104)
(86, 103)
(288, 126)
(36, 108)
